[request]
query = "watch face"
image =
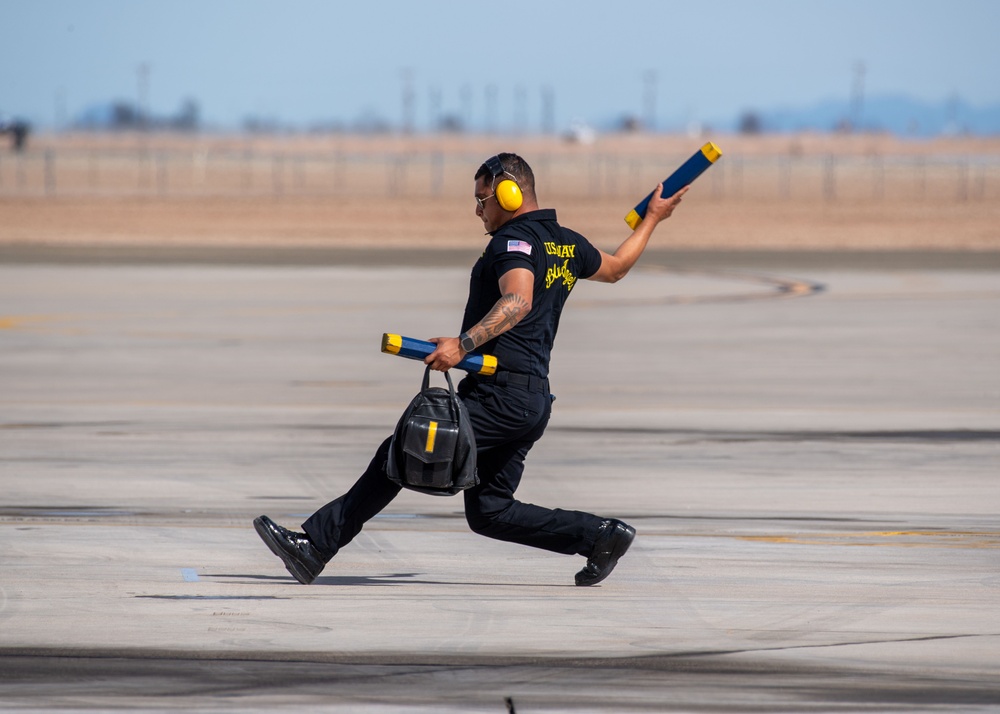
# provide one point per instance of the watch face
(468, 344)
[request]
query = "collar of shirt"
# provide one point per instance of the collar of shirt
(541, 214)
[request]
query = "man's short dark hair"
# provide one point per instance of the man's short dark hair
(516, 167)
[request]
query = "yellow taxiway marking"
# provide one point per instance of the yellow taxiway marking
(908, 539)
(13, 322)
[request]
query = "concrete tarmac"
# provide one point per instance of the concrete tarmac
(810, 459)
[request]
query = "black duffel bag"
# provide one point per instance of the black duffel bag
(433, 449)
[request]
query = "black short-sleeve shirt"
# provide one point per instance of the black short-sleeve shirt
(558, 257)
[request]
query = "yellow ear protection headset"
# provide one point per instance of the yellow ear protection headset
(507, 192)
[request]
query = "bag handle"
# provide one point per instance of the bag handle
(447, 376)
(453, 402)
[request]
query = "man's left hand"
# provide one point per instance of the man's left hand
(448, 353)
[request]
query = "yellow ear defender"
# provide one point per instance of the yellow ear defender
(508, 193)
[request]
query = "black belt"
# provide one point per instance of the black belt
(505, 378)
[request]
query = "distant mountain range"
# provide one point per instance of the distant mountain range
(900, 115)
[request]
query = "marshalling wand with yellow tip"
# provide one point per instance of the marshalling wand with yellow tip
(419, 349)
(684, 176)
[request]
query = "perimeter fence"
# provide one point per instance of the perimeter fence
(73, 172)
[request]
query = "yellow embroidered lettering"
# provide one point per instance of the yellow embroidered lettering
(562, 272)
(560, 251)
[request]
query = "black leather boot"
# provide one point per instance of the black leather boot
(613, 539)
(302, 559)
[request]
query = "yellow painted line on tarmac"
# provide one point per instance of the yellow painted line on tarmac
(14, 322)
(798, 289)
(894, 539)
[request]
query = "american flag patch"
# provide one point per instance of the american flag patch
(520, 246)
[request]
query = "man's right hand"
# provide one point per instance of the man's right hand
(659, 207)
(615, 267)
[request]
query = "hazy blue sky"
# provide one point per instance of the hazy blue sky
(305, 61)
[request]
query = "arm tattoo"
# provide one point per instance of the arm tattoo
(508, 311)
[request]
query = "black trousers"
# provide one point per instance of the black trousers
(507, 421)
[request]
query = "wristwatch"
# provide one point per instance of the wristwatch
(467, 343)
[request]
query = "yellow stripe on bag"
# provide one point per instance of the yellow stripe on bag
(432, 431)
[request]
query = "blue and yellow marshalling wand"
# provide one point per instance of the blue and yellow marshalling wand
(418, 349)
(688, 172)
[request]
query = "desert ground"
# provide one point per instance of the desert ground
(127, 194)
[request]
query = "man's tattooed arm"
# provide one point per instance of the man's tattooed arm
(508, 311)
